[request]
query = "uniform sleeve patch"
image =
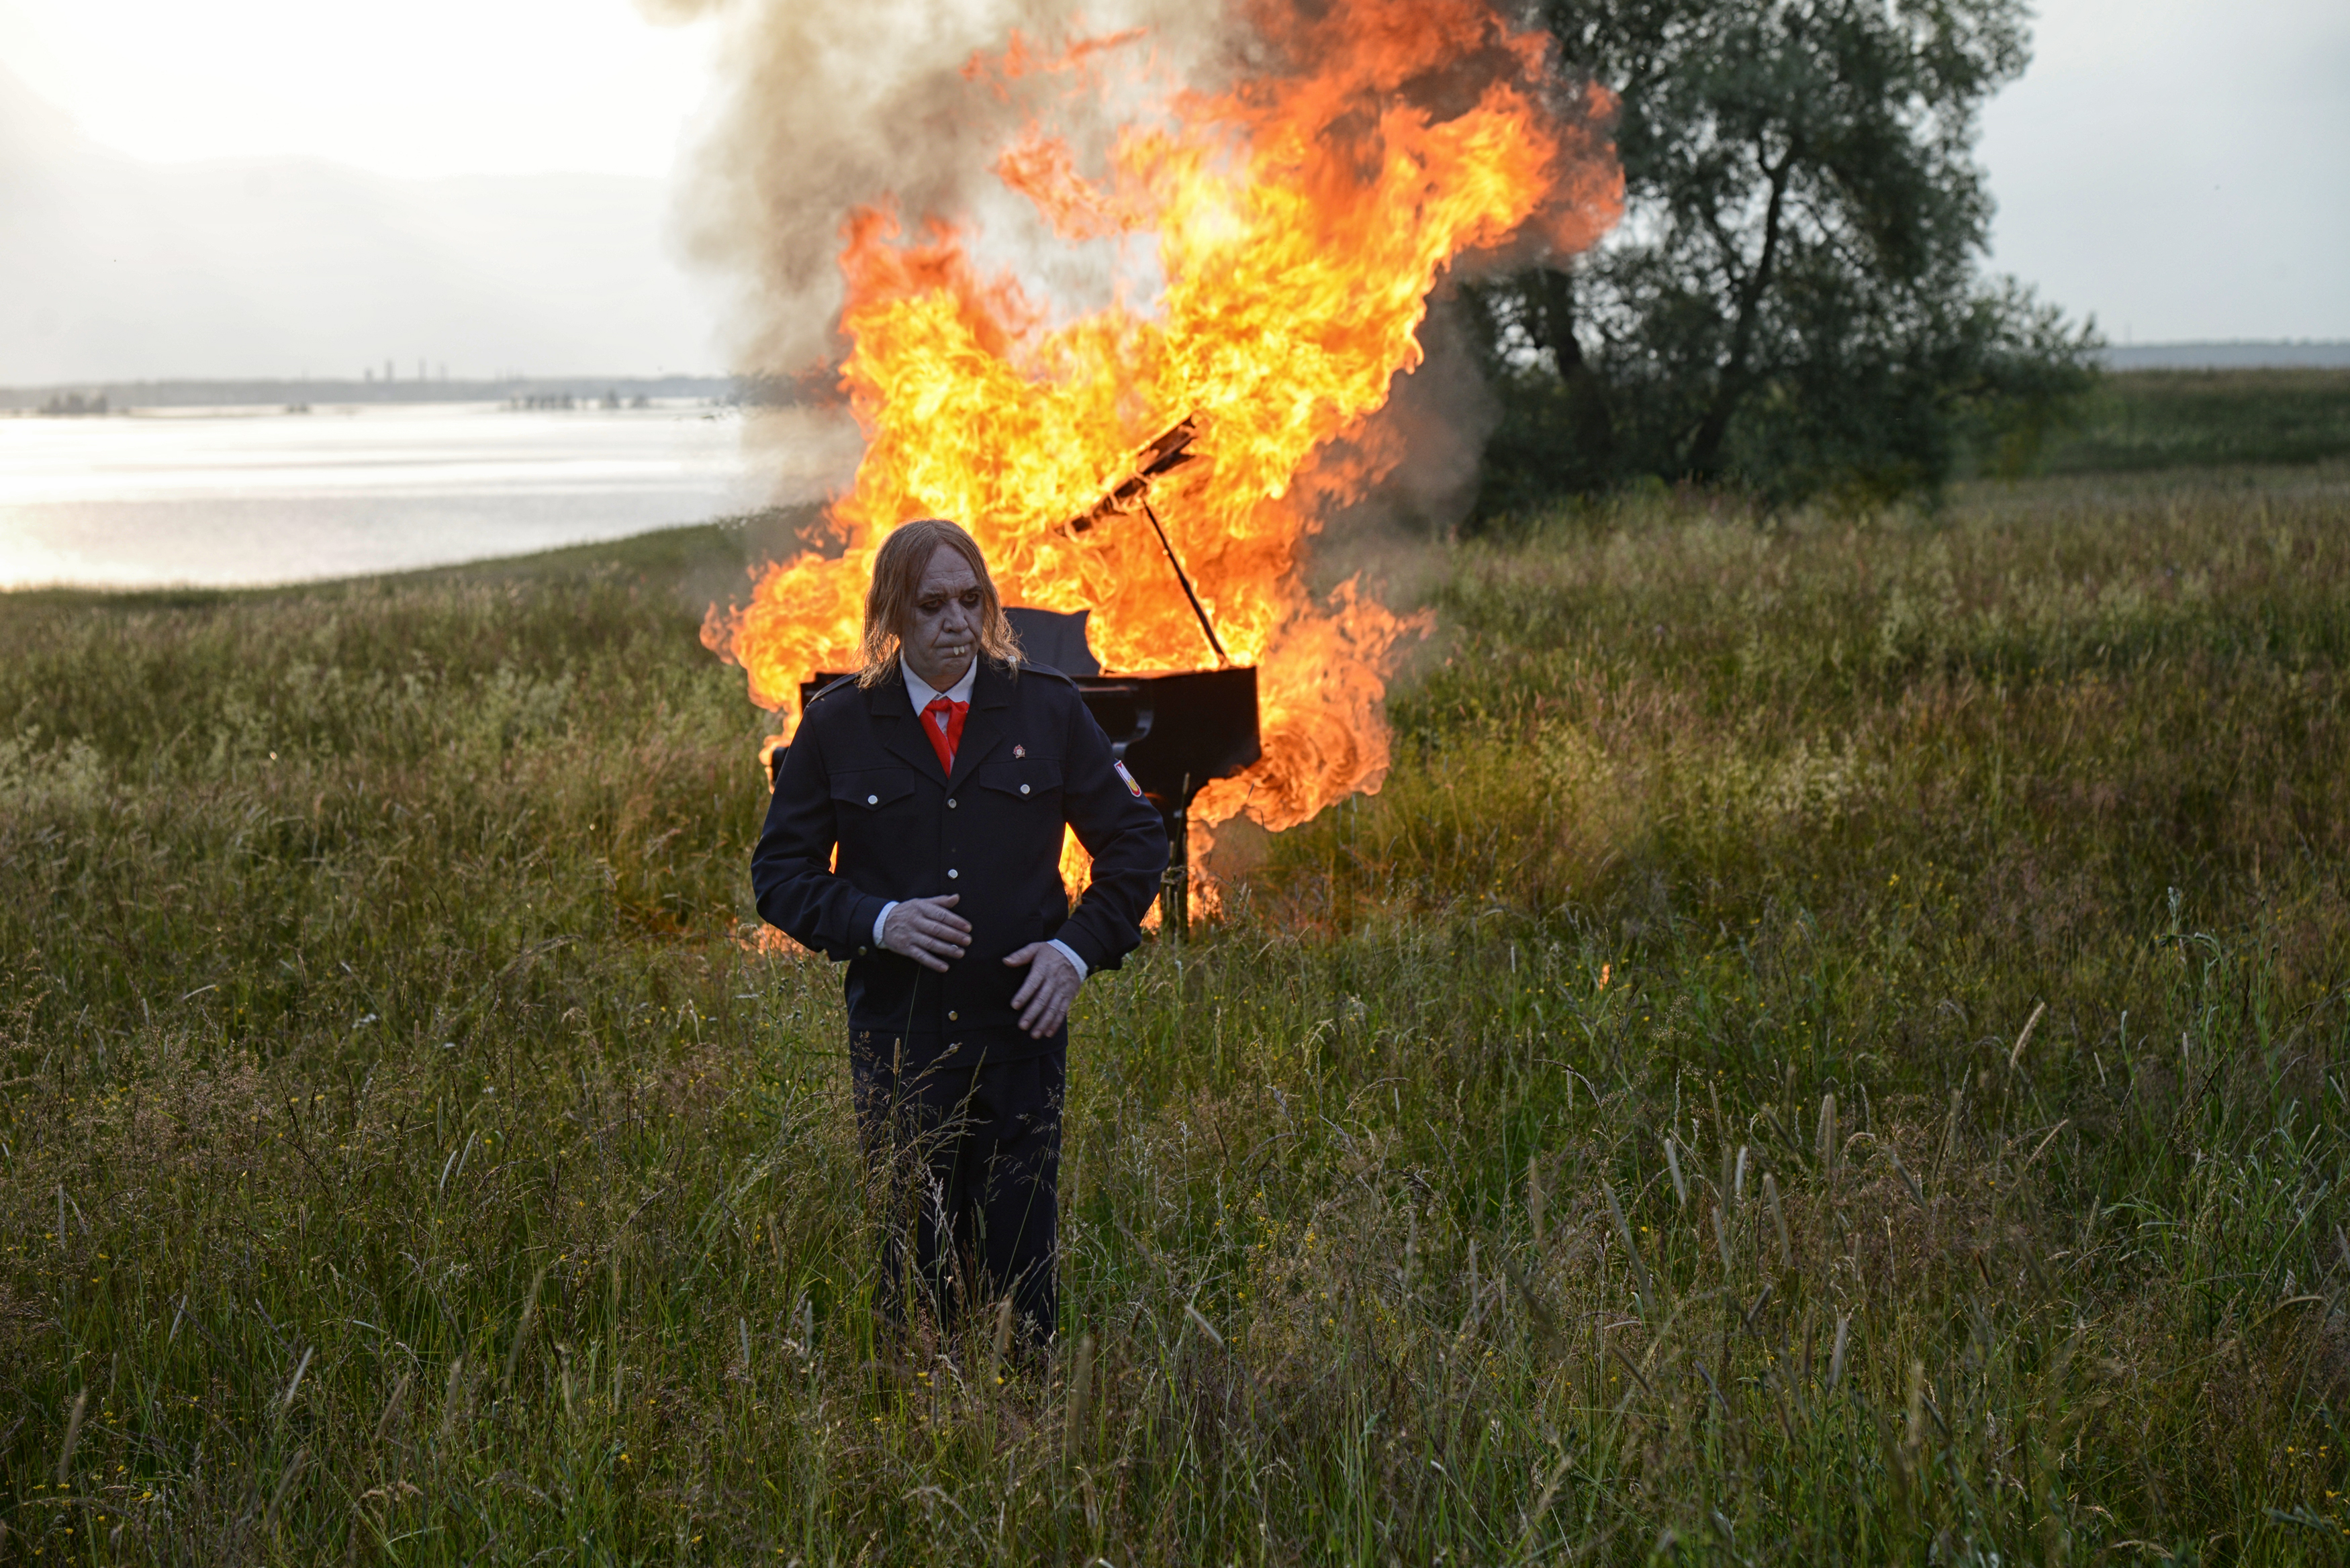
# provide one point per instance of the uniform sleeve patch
(1132, 788)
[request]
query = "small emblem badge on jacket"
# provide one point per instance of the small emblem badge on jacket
(1132, 787)
(1019, 750)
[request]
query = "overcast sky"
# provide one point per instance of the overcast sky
(2180, 167)
(416, 87)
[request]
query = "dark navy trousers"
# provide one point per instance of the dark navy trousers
(964, 1156)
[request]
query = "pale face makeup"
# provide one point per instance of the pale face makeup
(941, 633)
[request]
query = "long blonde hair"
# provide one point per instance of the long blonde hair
(897, 571)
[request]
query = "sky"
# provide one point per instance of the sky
(2181, 167)
(2174, 166)
(420, 87)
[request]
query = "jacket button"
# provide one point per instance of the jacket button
(873, 800)
(861, 952)
(949, 802)
(1024, 789)
(953, 873)
(951, 1017)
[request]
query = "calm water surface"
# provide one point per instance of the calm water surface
(225, 498)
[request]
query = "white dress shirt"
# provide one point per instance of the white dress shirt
(923, 693)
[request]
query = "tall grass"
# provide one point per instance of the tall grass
(2143, 420)
(1828, 1047)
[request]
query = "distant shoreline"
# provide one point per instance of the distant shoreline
(542, 390)
(281, 391)
(2230, 354)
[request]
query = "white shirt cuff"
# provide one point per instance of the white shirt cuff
(881, 920)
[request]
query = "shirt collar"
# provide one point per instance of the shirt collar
(922, 691)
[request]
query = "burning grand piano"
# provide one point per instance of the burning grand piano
(1175, 730)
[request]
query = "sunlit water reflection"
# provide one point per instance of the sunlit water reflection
(223, 498)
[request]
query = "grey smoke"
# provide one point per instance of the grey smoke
(830, 105)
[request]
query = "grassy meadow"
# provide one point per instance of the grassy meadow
(1829, 1047)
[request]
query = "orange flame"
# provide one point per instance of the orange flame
(1302, 218)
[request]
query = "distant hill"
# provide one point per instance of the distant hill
(112, 269)
(2233, 355)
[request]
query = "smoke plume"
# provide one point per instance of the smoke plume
(831, 105)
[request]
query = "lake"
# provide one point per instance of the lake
(237, 497)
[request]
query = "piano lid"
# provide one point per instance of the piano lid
(1048, 637)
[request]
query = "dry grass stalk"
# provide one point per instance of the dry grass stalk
(1907, 1181)
(1081, 1379)
(1541, 1509)
(1631, 1250)
(1778, 1220)
(450, 1396)
(522, 1325)
(73, 1436)
(2015, 1057)
(391, 1406)
(1913, 1439)
(1203, 1326)
(999, 1344)
(293, 1386)
(286, 1483)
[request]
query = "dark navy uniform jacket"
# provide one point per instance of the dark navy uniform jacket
(861, 777)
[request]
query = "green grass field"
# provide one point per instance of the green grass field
(1828, 1047)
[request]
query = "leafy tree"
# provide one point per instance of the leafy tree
(1792, 303)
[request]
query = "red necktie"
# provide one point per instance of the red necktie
(942, 723)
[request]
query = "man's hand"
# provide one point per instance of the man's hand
(928, 931)
(1045, 996)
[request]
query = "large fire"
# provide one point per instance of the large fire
(1302, 217)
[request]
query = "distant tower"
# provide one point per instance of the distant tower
(387, 371)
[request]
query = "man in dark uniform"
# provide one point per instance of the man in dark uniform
(942, 772)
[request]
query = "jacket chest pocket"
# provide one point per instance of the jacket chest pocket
(1035, 782)
(870, 797)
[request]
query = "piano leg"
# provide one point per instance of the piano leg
(1175, 887)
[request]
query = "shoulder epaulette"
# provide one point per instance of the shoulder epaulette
(1026, 668)
(828, 690)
